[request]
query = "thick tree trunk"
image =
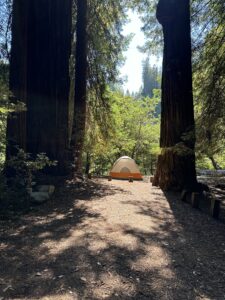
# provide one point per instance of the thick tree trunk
(41, 52)
(48, 69)
(80, 100)
(176, 164)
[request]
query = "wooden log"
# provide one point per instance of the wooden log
(215, 208)
(184, 195)
(195, 199)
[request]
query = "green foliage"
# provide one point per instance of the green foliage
(151, 28)
(23, 167)
(203, 163)
(133, 130)
(4, 108)
(209, 80)
(21, 171)
(106, 44)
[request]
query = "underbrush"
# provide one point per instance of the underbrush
(18, 175)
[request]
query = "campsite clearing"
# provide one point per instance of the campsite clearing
(112, 240)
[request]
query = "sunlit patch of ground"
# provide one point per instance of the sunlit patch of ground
(113, 240)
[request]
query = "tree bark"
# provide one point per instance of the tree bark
(216, 166)
(48, 69)
(80, 100)
(40, 52)
(176, 164)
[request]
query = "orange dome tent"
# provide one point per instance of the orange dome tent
(125, 168)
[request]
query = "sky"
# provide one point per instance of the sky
(132, 69)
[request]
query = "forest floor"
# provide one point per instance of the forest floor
(112, 240)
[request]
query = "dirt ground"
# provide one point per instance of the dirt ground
(112, 240)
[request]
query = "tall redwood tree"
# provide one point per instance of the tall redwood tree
(39, 77)
(176, 164)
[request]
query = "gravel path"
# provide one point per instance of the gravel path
(112, 240)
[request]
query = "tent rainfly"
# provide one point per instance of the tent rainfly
(125, 168)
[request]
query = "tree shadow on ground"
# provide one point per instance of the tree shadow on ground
(24, 253)
(195, 245)
(68, 250)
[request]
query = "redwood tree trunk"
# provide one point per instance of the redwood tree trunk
(80, 100)
(176, 164)
(40, 52)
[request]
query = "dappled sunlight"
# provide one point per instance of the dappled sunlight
(120, 241)
(83, 83)
(97, 246)
(57, 247)
(149, 261)
(114, 285)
